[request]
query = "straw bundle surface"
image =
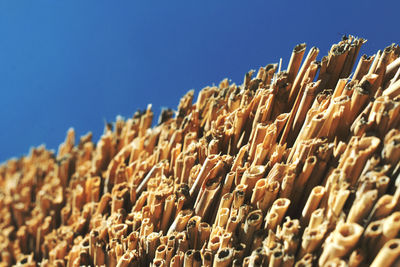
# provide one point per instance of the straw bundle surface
(292, 168)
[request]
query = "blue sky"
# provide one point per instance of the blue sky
(79, 63)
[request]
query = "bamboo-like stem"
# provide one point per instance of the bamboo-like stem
(388, 254)
(281, 170)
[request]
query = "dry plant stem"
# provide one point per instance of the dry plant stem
(390, 228)
(312, 239)
(395, 77)
(223, 258)
(304, 106)
(305, 261)
(297, 92)
(205, 169)
(295, 61)
(363, 66)
(362, 207)
(393, 90)
(312, 55)
(341, 241)
(356, 258)
(312, 203)
(279, 171)
(388, 254)
(339, 88)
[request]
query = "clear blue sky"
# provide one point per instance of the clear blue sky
(78, 63)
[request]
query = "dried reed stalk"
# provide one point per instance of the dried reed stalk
(295, 168)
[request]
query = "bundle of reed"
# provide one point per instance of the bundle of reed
(292, 168)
